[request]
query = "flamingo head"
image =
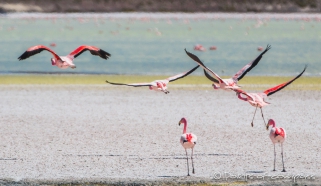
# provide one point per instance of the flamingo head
(162, 87)
(270, 122)
(215, 86)
(53, 61)
(183, 120)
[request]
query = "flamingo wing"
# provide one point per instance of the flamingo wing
(273, 90)
(35, 50)
(241, 73)
(181, 75)
(197, 60)
(133, 84)
(210, 77)
(93, 50)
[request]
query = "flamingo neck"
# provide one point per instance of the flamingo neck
(185, 125)
(240, 97)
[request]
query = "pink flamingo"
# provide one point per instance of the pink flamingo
(159, 85)
(199, 47)
(277, 135)
(64, 62)
(188, 141)
(257, 99)
(227, 84)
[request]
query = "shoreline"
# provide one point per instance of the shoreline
(246, 179)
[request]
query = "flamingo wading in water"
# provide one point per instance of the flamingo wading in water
(64, 62)
(277, 135)
(159, 85)
(227, 84)
(257, 99)
(188, 141)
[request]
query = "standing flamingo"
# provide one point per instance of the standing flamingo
(277, 135)
(231, 83)
(257, 99)
(188, 141)
(64, 62)
(158, 85)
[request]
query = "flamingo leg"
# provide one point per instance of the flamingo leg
(253, 116)
(192, 161)
(282, 157)
(274, 157)
(187, 163)
(263, 117)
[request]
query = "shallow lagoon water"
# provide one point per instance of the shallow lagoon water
(154, 43)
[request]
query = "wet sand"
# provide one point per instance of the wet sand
(123, 135)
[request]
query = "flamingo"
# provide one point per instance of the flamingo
(277, 135)
(64, 62)
(227, 84)
(158, 85)
(199, 47)
(257, 99)
(188, 141)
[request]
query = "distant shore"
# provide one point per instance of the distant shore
(60, 6)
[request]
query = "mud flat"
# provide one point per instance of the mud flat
(101, 134)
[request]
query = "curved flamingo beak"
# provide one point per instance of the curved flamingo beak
(270, 122)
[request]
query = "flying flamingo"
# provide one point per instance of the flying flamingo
(277, 135)
(64, 62)
(227, 84)
(257, 99)
(159, 85)
(188, 141)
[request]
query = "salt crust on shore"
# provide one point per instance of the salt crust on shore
(63, 134)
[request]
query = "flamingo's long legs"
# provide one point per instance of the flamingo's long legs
(282, 157)
(253, 117)
(274, 157)
(192, 161)
(263, 117)
(187, 163)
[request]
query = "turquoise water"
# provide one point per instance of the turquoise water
(154, 43)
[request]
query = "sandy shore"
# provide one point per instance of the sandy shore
(111, 135)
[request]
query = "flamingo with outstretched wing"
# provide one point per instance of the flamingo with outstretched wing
(257, 99)
(64, 62)
(231, 83)
(159, 85)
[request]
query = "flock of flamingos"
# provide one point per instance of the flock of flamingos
(188, 140)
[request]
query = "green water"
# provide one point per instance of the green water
(156, 46)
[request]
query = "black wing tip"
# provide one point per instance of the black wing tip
(104, 54)
(268, 47)
(23, 56)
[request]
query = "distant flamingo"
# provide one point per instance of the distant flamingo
(213, 48)
(188, 141)
(257, 99)
(227, 84)
(199, 47)
(159, 85)
(277, 135)
(64, 62)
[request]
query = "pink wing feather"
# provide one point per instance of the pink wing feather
(35, 50)
(92, 49)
